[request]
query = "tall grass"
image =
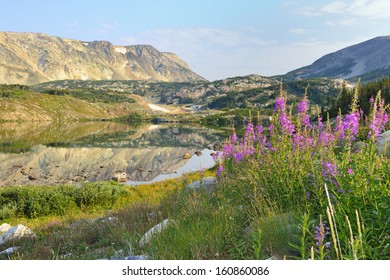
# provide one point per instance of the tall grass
(298, 189)
(312, 172)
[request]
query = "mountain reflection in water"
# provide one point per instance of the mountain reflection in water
(57, 153)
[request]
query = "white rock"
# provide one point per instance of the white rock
(16, 232)
(383, 145)
(207, 183)
(5, 227)
(9, 251)
(119, 177)
(154, 230)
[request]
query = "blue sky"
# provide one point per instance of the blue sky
(217, 38)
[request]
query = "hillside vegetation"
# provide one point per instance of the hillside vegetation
(366, 96)
(21, 103)
(251, 91)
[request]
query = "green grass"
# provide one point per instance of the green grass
(70, 223)
(274, 199)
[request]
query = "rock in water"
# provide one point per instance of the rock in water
(187, 156)
(120, 177)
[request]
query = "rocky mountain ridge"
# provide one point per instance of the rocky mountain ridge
(30, 58)
(237, 92)
(368, 60)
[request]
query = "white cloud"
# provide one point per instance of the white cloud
(307, 11)
(166, 38)
(198, 40)
(211, 52)
(372, 9)
(347, 21)
(218, 53)
(336, 7)
(363, 8)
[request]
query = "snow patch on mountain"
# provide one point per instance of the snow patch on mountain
(121, 50)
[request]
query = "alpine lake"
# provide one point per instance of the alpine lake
(47, 153)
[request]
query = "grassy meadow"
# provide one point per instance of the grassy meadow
(298, 188)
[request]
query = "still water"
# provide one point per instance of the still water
(58, 153)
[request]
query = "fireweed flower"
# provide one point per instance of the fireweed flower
(379, 121)
(326, 139)
(302, 112)
(249, 133)
(234, 137)
(321, 233)
(299, 141)
(285, 123)
(280, 104)
(351, 125)
(347, 128)
(302, 106)
(329, 170)
(271, 128)
(259, 135)
(228, 150)
(238, 157)
(305, 120)
(349, 171)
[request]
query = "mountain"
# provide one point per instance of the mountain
(30, 58)
(369, 60)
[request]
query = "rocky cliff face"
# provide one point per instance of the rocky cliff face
(368, 59)
(29, 58)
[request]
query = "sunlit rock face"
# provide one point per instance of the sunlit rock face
(30, 58)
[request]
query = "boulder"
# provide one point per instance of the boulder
(383, 145)
(207, 183)
(4, 228)
(32, 177)
(9, 251)
(187, 156)
(16, 232)
(153, 231)
(358, 146)
(119, 177)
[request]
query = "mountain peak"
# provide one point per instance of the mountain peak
(371, 56)
(29, 58)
